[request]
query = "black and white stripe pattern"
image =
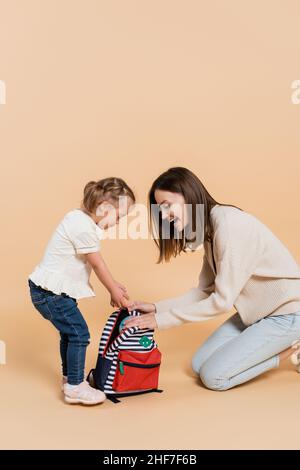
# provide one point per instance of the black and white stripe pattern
(107, 330)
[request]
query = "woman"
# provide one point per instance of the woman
(244, 266)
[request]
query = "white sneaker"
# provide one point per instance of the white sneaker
(83, 394)
(295, 357)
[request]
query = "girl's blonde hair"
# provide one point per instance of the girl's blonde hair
(106, 189)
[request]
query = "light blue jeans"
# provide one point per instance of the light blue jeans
(235, 353)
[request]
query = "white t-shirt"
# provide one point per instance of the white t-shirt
(64, 268)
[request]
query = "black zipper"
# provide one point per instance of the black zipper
(143, 366)
(133, 364)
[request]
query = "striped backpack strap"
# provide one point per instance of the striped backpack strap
(107, 331)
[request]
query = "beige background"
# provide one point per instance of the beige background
(130, 88)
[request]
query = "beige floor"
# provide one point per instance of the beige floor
(262, 414)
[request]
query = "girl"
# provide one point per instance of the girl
(244, 266)
(62, 278)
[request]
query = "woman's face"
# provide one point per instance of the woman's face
(173, 208)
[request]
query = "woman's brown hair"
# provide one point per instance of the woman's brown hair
(107, 189)
(182, 181)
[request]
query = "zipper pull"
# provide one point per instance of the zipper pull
(121, 366)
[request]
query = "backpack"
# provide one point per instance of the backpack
(128, 361)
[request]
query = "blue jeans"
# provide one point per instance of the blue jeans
(62, 311)
(235, 353)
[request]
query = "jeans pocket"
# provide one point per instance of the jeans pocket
(64, 303)
(284, 322)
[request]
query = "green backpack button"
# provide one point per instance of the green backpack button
(145, 341)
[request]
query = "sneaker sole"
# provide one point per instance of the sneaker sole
(75, 401)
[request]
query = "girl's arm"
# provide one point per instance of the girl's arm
(119, 296)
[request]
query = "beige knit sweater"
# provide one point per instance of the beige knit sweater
(256, 274)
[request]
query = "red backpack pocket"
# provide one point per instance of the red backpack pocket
(137, 370)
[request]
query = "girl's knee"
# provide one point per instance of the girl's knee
(82, 336)
(85, 337)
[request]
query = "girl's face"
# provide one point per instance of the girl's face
(109, 213)
(173, 208)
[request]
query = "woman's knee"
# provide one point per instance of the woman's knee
(196, 362)
(213, 379)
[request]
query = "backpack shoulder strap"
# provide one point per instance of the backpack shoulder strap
(107, 332)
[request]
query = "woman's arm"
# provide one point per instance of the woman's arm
(195, 294)
(205, 287)
(238, 248)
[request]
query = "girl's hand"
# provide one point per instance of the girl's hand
(143, 307)
(118, 284)
(119, 297)
(143, 321)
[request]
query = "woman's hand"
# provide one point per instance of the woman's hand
(143, 307)
(143, 321)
